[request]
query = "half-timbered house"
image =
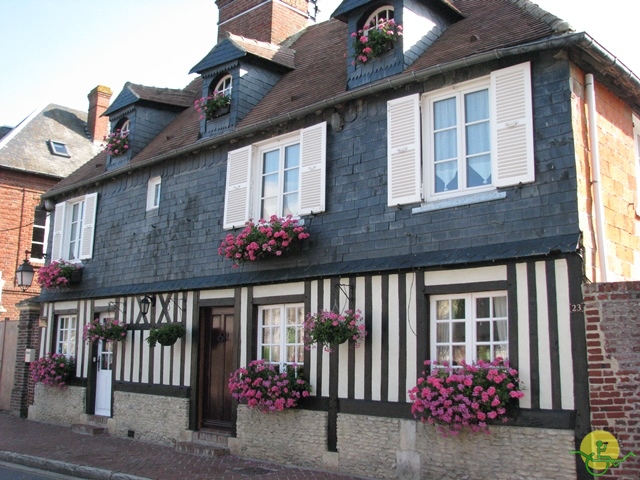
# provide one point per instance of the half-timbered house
(458, 190)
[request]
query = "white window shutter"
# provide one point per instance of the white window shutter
(403, 151)
(513, 135)
(58, 226)
(313, 159)
(88, 225)
(236, 202)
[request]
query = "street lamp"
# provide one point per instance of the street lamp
(24, 274)
(145, 303)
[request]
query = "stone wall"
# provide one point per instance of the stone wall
(376, 447)
(59, 406)
(613, 348)
(295, 437)
(150, 417)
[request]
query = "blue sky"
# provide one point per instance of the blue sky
(58, 51)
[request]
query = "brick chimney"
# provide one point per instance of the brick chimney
(98, 126)
(268, 21)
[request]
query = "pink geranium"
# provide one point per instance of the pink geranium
(57, 274)
(53, 370)
(330, 329)
(466, 396)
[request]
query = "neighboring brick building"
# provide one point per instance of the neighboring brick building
(34, 156)
(459, 187)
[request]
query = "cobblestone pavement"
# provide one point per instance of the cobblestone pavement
(57, 449)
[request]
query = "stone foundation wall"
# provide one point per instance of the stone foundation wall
(297, 437)
(54, 405)
(151, 418)
(376, 447)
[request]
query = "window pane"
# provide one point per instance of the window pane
(459, 332)
(270, 185)
(442, 309)
(292, 156)
(442, 354)
(483, 331)
(500, 331)
(458, 306)
(459, 354)
(499, 306)
(269, 207)
(291, 178)
(275, 354)
(38, 236)
(483, 307)
(37, 250)
(271, 161)
(479, 171)
(483, 352)
(476, 106)
(478, 138)
(501, 351)
(442, 332)
(266, 353)
(444, 113)
(290, 204)
(266, 335)
(446, 176)
(445, 145)
(291, 335)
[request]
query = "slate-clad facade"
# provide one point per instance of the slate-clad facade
(371, 248)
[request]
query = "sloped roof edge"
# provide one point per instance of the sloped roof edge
(18, 128)
(579, 40)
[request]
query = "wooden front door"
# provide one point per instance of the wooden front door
(216, 364)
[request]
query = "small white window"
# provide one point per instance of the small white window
(59, 148)
(66, 335)
(281, 334)
(73, 228)
(153, 193)
(469, 327)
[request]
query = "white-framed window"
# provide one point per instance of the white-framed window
(281, 334)
(281, 176)
(123, 125)
(59, 148)
(73, 228)
(383, 13)
(40, 234)
(469, 327)
(224, 85)
(466, 140)
(636, 143)
(153, 193)
(66, 335)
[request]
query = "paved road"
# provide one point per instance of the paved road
(57, 449)
(17, 472)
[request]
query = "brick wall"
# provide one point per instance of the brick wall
(618, 180)
(22, 393)
(613, 347)
(19, 196)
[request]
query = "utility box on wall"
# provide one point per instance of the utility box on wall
(29, 355)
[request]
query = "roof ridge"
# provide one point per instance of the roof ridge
(557, 24)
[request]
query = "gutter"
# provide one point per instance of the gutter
(582, 40)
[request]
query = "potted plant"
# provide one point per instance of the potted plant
(166, 335)
(465, 397)
(59, 274)
(330, 329)
(261, 387)
(263, 239)
(110, 330)
(373, 41)
(53, 370)
(117, 143)
(214, 105)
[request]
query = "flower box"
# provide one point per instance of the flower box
(60, 274)
(54, 370)
(373, 41)
(212, 106)
(117, 143)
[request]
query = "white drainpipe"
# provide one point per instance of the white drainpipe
(597, 184)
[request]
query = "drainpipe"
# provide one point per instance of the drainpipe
(595, 177)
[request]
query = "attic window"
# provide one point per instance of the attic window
(224, 85)
(123, 126)
(382, 13)
(59, 148)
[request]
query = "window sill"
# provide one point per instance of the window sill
(460, 201)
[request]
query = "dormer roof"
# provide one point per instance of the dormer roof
(164, 97)
(235, 46)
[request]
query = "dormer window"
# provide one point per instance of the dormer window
(377, 36)
(218, 102)
(224, 85)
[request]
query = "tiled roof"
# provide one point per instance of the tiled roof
(26, 147)
(132, 93)
(320, 72)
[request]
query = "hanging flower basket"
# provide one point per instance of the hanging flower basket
(466, 397)
(110, 331)
(60, 274)
(54, 370)
(331, 329)
(261, 387)
(264, 239)
(373, 41)
(166, 335)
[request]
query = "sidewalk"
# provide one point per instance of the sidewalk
(57, 449)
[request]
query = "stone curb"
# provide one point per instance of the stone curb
(64, 468)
